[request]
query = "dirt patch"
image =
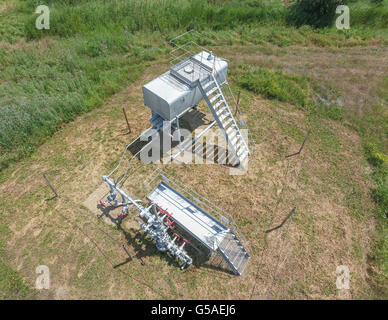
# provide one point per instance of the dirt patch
(7, 7)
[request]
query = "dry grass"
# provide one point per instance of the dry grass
(297, 261)
(350, 74)
(7, 7)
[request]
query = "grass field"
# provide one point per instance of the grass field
(93, 61)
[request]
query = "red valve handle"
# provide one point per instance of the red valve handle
(185, 241)
(163, 211)
(177, 235)
(169, 221)
(166, 212)
(103, 203)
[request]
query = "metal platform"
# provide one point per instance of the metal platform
(199, 217)
(190, 217)
(194, 69)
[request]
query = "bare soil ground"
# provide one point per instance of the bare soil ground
(328, 183)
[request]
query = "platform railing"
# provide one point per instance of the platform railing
(243, 124)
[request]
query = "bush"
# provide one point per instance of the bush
(316, 13)
(374, 157)
(378, 2)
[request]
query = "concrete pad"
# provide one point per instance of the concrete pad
(92, 202)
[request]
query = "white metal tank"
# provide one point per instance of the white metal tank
(175, 92)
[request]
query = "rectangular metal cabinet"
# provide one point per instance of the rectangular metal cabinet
(175, 92)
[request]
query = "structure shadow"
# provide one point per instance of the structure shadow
(214, 154)
(105, 212)
(145, 247)
(210, 267)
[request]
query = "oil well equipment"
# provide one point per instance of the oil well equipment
(169, 205)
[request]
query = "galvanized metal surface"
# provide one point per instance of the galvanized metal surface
(196, 221)
(214, 97)
(175, 92)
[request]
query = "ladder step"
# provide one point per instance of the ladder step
(223, 117)
(208, 85)
(232, 135)
(227, 246)
(227, 122)
(239, 262)
(241, 150)
(221, 111)
(230, 130)
(215, 98)
(234, 140)
(211, 91)
(239, 146)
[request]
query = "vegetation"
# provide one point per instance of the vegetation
(12, 286)
(316, 13)
(95, 48)
(275, 85)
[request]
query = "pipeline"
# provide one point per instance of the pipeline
(156, 222)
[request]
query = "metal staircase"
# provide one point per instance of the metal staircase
(233, 253)
(219, 107)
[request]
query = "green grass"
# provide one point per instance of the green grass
(151, 15)
(45, 85)
(12, 286)
(374, 130)
(371, 17)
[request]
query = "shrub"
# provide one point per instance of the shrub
(316, 13)
(375, 157)
(377, 2)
